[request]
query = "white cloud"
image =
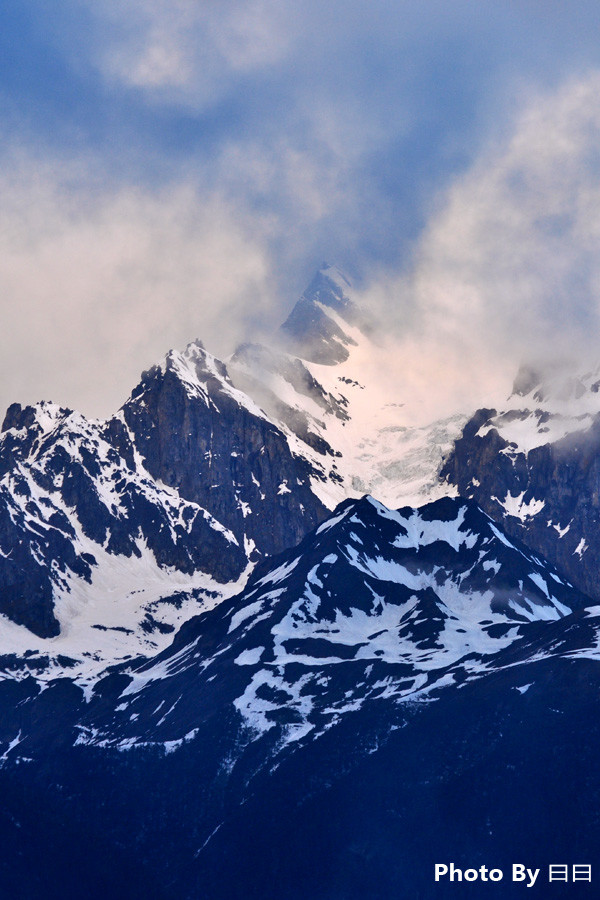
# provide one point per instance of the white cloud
(513, 255)
(96, 285)
(99, 278)
(192, 48)
(508, 267)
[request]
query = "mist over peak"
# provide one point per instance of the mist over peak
(502, 270)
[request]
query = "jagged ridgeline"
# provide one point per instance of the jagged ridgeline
(396, 673)
(189, 470)
(206, 468)
(534, 466)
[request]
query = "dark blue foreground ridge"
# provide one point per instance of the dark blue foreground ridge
(396, 674)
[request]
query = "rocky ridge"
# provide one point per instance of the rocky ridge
(324, 697)
(535, 467)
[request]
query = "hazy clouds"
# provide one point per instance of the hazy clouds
(178, 170)
(96, 287)
(513, 253)
(507, 268)
(510, 260)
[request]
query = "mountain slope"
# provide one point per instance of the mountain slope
(358, 425)
(240, 760)
(374, 605)
(189, 477)
(535, 467)
(206, 468)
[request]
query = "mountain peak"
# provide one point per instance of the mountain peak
(331, 288)
(315, 328)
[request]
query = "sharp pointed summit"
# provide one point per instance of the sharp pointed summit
(316, 327)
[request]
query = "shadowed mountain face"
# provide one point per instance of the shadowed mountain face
(197, 434)
(199, 472)
(302, 737)
(535, 467)
(189, 471)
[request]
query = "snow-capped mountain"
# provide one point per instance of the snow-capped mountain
(347, 657)
(267, 605)
(360, 428)
(374, 605)
(114, 533)
(535, 466)
(205, 469)
(183, 490)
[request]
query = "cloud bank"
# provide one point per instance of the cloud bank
(174, 170)
(508, 267)
(97, 286)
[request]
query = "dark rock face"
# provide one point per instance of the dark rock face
(36, 538)
(188, 470)
(26, 595)
(563, 476)
(217, 450)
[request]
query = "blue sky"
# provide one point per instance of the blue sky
(179, 169)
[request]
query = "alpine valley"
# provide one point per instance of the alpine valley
(267, 632)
